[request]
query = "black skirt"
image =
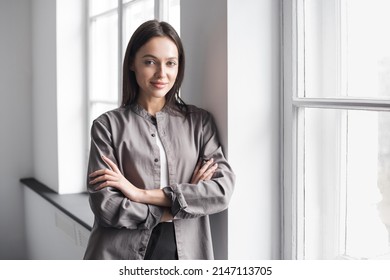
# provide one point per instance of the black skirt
(162, 243)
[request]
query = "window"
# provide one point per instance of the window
(336, 129)
(111, 24)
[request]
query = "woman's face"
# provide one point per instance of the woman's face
(155, 66)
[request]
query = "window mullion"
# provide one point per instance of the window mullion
(299, 182)
(299, 45)
(157, 10)
(161, 8)
(288, 113)
(342, 197)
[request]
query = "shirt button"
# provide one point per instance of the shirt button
(142, 249)
(153, 135)
(156, 160)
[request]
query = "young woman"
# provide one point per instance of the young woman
(156, 167)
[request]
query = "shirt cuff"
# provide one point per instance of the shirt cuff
(177, 199)
(154, 217)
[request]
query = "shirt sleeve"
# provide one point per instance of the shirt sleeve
(110, 206)
(206, 197)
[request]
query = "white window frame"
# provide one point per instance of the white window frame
(292, 120)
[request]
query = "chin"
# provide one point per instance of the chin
(159, 94)
(162, 95)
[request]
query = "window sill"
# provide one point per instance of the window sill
(76, 206)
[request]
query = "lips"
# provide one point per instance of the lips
(159, 85)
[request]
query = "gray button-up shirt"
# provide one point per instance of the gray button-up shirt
(122, 228)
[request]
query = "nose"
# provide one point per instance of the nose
(161, 71)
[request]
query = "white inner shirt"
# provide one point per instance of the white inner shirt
(163, 164)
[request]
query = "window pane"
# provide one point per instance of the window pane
(104, 58)
(100, 6)
(134, 14)
(346, 184)
(174, 14)
(347, 49)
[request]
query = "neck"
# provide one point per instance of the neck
(152, 106)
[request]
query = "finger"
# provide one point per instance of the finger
(209, 172)
(203, 169)
(198, 176)
(197, 167)
(101, 186)
(111, 164)
(106, 184)
(210, 175)
(103, 178)
(196, 170)
(206, 165)
(102, 172)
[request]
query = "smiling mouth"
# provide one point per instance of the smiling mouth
(158, 84)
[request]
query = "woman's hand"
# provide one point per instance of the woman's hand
(203, 172)
(114, 178)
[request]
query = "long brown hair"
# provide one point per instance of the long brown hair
(141, 36)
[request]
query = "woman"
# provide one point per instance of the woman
(156, 167)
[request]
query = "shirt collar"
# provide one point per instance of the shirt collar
(160, 116)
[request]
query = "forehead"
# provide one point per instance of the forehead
(160, 47)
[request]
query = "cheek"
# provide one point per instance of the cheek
(141, 76)
(174, 76)
(137, 77)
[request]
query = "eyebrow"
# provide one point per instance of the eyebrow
(150, 55)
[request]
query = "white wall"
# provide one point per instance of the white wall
(253, 128)
(233, 70)
(52, 235)
(44, 92)
(71, 95)
(15, 123)
(28, 110)
(59, 94)
(204, 35)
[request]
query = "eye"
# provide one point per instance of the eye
(149, 62)
(171, 63)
